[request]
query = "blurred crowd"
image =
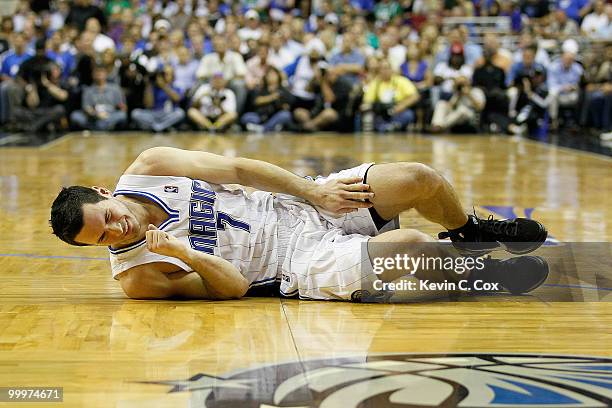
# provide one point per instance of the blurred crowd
(295, 65)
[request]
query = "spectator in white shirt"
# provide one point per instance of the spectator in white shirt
(251, 30)
(595, 21)
(213, 105)
(228, 62)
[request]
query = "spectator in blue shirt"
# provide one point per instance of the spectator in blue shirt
(349, 60)
(575, 9)
(64, 59)
(15, 57)
(161, 102)
(525, 67)
(563, 84)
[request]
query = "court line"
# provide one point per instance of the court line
(87, 258)
(576, 286)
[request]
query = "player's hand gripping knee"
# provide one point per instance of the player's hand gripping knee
(162, 243)
(341, 196)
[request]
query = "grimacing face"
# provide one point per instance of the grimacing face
(108, 223)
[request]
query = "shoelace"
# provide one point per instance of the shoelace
(509, 228)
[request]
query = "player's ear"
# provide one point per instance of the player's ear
(103, 191)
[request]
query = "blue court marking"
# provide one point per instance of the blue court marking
(84, 258)
(575, 286)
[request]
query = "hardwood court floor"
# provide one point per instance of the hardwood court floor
(65, 322)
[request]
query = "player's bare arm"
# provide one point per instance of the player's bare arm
(212, 276)
(336, 196)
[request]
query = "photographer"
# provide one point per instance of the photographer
(161, 102)
(270, 107)
(390, 97)
(462, 110)
(213, 105)
(104, 105)
(42, 105)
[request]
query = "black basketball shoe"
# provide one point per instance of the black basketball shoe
(479, 237)
(515, 275)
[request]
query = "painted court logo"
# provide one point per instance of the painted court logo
(410, 380)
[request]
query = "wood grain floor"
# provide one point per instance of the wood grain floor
(65, 322)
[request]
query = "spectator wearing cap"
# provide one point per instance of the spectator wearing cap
(103, 104)
(445, 73)
(301, 75)
(251, 29)
(213, 105)
(471, 52)
(461, 111)
(564, 78)
(390, 98)
(230, 64)
(161, 101)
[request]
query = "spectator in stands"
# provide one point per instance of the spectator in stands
(64, 59)
(257, 67)
(461, 112)
(161, 101)
(531, 101)
(390, 98)
(445, 74)
(561, 27)
(103, 104)
(334, 108)
(278, 55)
(524, 69)
(6, 29)
(228, 62)
(348, 60)
(214, 105)
(15, 56)
(83, 10)
(41, 105)
(597, 104)
(605, 32)
(301, 76)
(527, 40)
(500, 57)
(418, 70)
(535, 9)
(270, 107)
(391, 51)
(595, 21)
(491, 79)
(251, 29)
(564, 78)
(574, 9)
(387, 10)
(460, 37)
(185, 70)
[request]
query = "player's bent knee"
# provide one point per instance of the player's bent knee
(422, 176)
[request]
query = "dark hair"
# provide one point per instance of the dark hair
(67, 211)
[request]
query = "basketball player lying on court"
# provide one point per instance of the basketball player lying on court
(175, 228)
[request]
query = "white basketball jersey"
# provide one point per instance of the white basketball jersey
(239, 227)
